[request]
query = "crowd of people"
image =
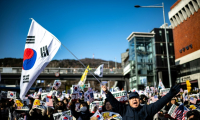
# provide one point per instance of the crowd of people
(150, 106)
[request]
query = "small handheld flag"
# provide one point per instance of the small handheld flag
(99, 71)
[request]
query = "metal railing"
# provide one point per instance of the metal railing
(49, 70)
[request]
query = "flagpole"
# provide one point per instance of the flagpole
(81, 63)
(73, 55)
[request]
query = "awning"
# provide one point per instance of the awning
(193, 81)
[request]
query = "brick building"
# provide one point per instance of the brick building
(185, 20)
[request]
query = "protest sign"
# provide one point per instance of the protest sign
(110, 115)
(56, 84)
(43, 95)
(36, 103)
(90, 96)
(98, 115)
(11, 94)
(24, 108)
(172, 110)
(77, 106)
(41, 107)
(98, 104)
(62, 115)
(49, 102)
(120, 96)
(96, 95)
(19, 104)
(75, 96)
(164, 91)
(75, 89)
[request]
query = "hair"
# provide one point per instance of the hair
(86, 105)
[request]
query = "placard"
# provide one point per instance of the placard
(164, 91)
(172, 110)
(44, 95)
(111, 115)
(11, 94)
(120, 96)
(62, 115)
(99, 105)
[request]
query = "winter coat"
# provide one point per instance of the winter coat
(145, 112)
(80, 115)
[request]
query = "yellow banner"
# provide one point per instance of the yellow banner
(83, 78)
(19, 103)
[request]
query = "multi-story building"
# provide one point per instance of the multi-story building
(159, 46)
(185, 20)
(146, 61)
(141, 60)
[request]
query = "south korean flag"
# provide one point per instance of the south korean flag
(11, 94)
(40, 48)
(76, 88)
(56, 84)
(99, 71)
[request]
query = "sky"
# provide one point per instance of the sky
(85, 27)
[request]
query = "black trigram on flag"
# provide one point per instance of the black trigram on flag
(25, 78)
(44, 51)
(30, 40)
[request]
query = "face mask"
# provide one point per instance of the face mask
(83, 109)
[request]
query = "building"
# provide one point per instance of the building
(185, 20)
(126, 68)
(159, 46)
(145, 62)
(141, 60)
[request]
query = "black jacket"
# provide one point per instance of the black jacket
(79, 115)
(145, 112)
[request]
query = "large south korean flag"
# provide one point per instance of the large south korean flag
(41, 46)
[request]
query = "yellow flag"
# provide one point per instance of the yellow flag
(188, 85)
(19, 103)
(36, 102)
(83, 78)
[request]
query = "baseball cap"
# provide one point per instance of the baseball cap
(133, 95)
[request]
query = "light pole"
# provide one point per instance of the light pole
(115, 63)
(106, 63)
(169, 72)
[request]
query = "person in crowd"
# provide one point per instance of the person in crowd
(49, 113)
(134, 111)
(4, 109)
(38, 114)
(84, 113)
(60, 107)
(193, 115)
(65, 101)
(107, 106)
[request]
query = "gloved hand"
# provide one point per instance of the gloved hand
(175, 89)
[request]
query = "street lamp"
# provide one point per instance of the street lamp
(169, 72)
(106, 63)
